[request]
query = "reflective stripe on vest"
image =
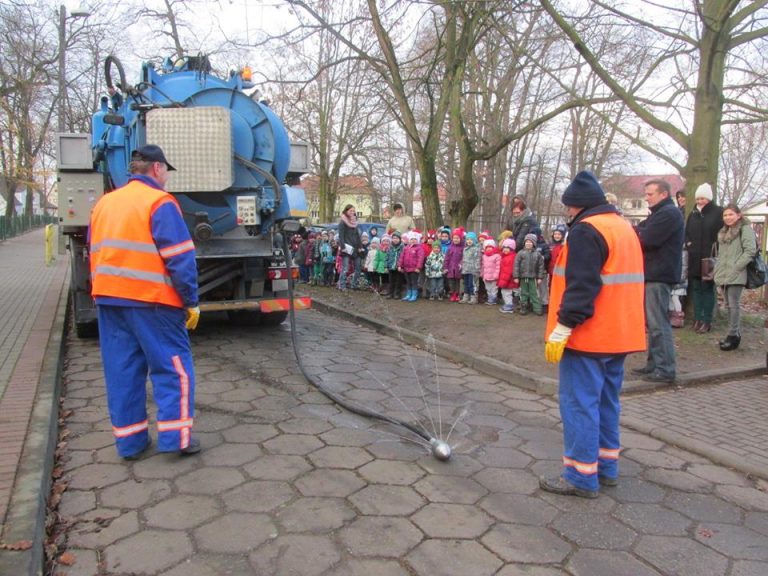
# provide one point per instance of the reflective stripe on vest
(618, 323)
(125, 263)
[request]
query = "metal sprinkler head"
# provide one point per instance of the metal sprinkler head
(440, 449)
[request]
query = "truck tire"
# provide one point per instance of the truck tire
(244, 317)
(273, 318)
(87, 329)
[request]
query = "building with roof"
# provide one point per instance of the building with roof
(630, 192)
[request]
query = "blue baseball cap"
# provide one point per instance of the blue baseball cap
(151, 153)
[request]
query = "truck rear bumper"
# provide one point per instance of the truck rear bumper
(265, 306)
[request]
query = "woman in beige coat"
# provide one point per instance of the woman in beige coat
(737, 245)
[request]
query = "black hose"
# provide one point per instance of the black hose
(343, 402)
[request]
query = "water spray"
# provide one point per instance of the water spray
(440, 449)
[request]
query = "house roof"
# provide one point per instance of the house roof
(351, 184)
(631, 186)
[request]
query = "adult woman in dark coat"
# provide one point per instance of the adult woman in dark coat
(350, 245)
(701, 229)
(521, 223)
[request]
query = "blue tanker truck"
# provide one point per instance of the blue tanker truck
(234, 163)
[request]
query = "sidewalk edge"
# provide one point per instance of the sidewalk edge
(28, 508)
(712, 453)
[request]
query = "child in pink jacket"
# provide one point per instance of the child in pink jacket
(489, 271)
(410, 263)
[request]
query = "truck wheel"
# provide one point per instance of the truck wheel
(244, 317)
(273, 318)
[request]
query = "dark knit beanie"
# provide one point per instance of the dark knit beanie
(584, 192)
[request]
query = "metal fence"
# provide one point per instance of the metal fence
(11, 226)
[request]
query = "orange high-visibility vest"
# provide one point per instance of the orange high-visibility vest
(618, 324)
(125, 262)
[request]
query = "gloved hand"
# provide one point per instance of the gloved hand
(193, 315)
(553, 349)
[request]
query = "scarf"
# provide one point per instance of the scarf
(728, 234)
(350, 222)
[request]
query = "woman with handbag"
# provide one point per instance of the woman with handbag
(737, 246)
(701, 229)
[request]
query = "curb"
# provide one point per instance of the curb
(713, 453)
(26, 515)
(521, 377)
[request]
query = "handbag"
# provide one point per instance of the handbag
(756, 272)
(708, 265)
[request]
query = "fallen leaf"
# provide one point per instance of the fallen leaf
(20, 545)
(67, 559)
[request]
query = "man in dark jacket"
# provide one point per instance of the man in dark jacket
(661, 236)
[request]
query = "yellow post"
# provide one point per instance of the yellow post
(49, 257)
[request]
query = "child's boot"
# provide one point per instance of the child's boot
(473, 299)
(464, 299)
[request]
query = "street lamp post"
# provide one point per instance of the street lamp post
(77, 13)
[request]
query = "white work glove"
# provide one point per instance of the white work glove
(555, 346)
(193, 316)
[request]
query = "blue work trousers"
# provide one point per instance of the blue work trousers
(589, 408)
(137, 342)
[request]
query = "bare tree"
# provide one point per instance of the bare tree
(744, 163)
(705, 72)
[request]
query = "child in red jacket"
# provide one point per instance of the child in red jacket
(507, 282)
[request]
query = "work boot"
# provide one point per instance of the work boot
(193, 448)
(561, 486)
(137, 455)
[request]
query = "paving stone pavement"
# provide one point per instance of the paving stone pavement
(730, 415)
(290, 484)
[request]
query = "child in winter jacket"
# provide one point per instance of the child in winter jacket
(452, 264)
(529, 271)
(507, 282)
(433, 269)
(380, 272)
(491, 264)
(470, 268)
(411, 261)
(368, 270)
(393, 257)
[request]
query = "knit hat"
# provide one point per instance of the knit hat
(324, 233)
(484, 235)
(471, 236)
(414, 234)
(490, 243)
(584, 192)
(364, 235)
(510, 243)
(431, 234)
(704, 191)
(436, 244)
(531, 237)
(446, 229)
(386, 238)
(397, 233)
(375, 240)
(458, 232)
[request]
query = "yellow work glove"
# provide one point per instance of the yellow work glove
(553, 349)
(193, 315)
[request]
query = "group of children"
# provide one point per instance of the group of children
(445, 264)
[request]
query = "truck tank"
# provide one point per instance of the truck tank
(233, 160)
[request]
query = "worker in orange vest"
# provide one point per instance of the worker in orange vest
(144, 281)
(595, 319)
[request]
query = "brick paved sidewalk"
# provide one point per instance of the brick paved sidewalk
(726, 422)
(31, 325)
